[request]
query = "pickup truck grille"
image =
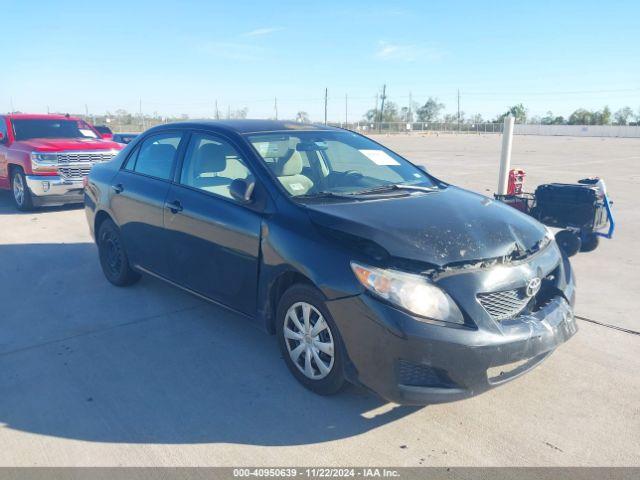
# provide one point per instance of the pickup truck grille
(74, 173)
(66, 158)
(504, 305)
(75, 165)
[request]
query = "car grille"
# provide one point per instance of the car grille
(503, 305)
(75, 165)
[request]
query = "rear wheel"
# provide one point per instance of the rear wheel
(113, 257)
(589, 242)
(569, 242)
(21, 193)
(310, 341)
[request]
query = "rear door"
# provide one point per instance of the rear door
(213, 241)
(139, 191)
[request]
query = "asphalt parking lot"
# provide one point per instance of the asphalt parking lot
(94, 375)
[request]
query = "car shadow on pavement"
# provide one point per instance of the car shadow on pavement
(84, 360)
(7, 207)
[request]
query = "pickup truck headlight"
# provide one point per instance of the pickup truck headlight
(410, 292)
(44, 162)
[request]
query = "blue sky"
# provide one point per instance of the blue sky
(179, 57)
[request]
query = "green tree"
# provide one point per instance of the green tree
(302, 117)
(581, 116)
(430, 111)
(623, 116)
(518, 111)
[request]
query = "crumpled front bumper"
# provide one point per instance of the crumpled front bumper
(408, 361)
(54, 190)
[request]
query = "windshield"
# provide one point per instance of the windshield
(340, 163)
(24, 129)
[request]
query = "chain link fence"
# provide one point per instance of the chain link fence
(421, 127)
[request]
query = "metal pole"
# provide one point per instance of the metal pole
(275, 106)
(384, 96)
(458, 110)
(346, 111)
(217, 111)
(505, 155)
(326, 95)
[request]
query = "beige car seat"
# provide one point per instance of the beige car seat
(288, 169)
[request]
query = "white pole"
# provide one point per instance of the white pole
(505, 156)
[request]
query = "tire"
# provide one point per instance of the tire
(113, 257)
(323, 381)
(569, 242)
(589, 243)
(21, 194)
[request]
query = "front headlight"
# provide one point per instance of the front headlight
(411, 292)
(44, 161)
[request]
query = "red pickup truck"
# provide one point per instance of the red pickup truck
(44, 158)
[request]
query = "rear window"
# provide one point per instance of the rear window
(24, 129)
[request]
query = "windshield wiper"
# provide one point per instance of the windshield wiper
(325, 194)
(395, 186)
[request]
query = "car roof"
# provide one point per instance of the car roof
(39, 116)
(244, 126)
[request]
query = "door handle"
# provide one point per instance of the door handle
(118, 188)
(174, 206)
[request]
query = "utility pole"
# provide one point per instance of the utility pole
(217, 111)
(458, 110)
(326, 97)
(346, 110)
(141, 117)
(86, 111)
(410, 119)
(275, 106)
(47, 109)
(384, 96)
(228, 112)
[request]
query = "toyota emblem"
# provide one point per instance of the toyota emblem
(533, 286)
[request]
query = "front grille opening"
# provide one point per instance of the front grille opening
(417, 375)
(508, 304)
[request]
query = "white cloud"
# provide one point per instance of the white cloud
(407, 52)
(261, 31)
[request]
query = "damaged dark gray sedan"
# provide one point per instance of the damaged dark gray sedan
(367, 268)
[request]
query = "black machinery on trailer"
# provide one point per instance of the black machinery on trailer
(582, 210)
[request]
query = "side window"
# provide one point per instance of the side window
(211, 164)
(155, 156)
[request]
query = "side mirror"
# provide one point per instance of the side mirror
(3, 139)
(242, 190)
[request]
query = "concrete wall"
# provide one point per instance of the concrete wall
(578, 130)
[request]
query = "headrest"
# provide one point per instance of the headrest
(162, 152)
(212, 157)
(289, 165)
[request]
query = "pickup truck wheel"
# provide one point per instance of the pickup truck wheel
(21, 193)
(113, 257)
(309, 340)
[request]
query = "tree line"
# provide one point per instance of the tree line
(432, 112)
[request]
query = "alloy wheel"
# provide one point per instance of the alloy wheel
(18, 189)
(309, 340)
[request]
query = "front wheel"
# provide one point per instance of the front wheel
(310, 341)
(113, 257)
(21, 194)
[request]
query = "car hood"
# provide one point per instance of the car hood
(58, 144)
(450, 226)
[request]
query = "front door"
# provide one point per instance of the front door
(139, 191)
(213, 241)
